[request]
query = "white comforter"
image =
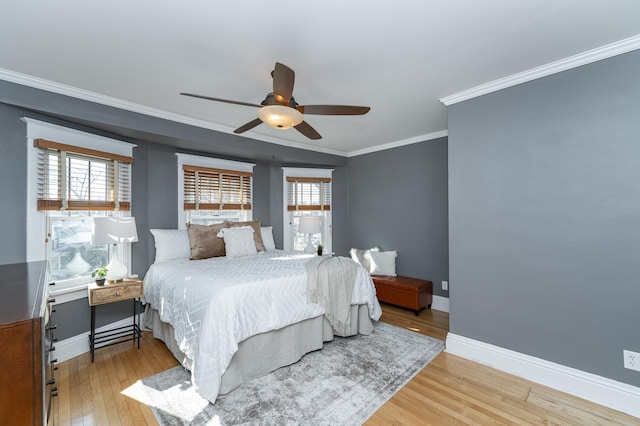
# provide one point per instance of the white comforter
(214, 304)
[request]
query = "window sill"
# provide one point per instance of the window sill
(69, 293)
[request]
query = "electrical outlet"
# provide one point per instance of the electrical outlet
(631, 360)
(445, 285)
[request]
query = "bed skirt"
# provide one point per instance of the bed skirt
(265, 352)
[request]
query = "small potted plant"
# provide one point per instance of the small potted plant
(100, 275)
(319, 249)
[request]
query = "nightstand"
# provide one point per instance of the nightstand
(128, 289)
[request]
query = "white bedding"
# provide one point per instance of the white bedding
(214, 304)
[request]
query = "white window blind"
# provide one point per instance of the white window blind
(216, 189)
(76, 178)
(308, 193)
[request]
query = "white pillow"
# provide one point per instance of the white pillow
(382, 263)
(358, 256)
(238, 241)
(171, 244)
(267, 238)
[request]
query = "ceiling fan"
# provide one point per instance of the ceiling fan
(280, 110)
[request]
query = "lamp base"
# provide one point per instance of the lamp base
(116, 270)
(310, 249)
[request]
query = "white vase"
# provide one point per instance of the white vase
(77, 266)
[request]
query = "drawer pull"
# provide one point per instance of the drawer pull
(117, 293)
(52, 327)
(53, 348)
(52, 283)
(54, 394)
(54, 361)
(54, 389)
(52, 300)
(51, 381)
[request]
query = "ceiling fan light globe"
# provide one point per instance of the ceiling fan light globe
(280, 117)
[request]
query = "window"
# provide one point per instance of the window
(213, 190)
(72, 178)
(69, 182)
(306, 192)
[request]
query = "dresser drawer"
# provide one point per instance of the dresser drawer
(125, 290)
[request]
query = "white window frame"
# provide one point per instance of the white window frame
(36, 219)
(287, 224)
(213, 163)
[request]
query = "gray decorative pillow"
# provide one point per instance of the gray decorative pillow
(204, 240)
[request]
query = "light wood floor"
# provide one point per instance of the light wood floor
(448, 391)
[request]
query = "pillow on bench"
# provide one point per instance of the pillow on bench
(358, 256)
(382, 263)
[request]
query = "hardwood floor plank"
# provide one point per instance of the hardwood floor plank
(75, 409)
(114, 385)
(449, 391)
(98, 408)
(497, 405)
(108, 394)
(423, 408)
(573, 409)
(497, 392)
(62, 412)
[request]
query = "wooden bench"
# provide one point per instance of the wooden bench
(410, 293)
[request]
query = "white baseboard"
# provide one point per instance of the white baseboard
(78, 345)
(610, 393)
(440, 303)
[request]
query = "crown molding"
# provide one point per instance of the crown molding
(415, 139)
(584, 58)
(74, 92)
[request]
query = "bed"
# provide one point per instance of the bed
(229, 320)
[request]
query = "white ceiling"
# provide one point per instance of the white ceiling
(398, 57)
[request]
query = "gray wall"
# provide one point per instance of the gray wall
(13, 187)
(398, 201)
(154, 201)
(339, 211)
(544, 202)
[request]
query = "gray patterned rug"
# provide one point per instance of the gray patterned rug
(342, 384)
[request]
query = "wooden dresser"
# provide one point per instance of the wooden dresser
(27, 382)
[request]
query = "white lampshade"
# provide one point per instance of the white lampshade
(279, 116)
(309, 225)
(114, 230)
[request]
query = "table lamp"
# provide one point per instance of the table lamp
(309, 225)
(114, 230)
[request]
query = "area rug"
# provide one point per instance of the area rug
(342, 384)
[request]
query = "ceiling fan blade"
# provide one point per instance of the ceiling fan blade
(283, 79)
(307, 130)
(250, 125)
(221, 100)
(333, 109)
